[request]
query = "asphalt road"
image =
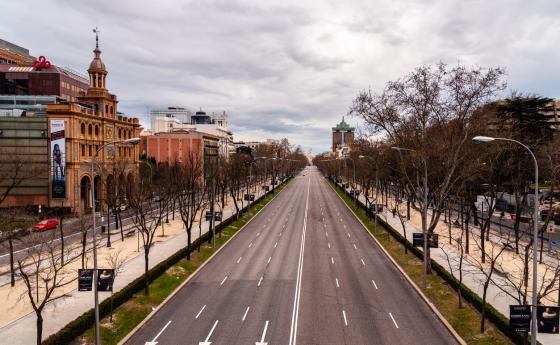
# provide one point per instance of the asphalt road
(304, 271)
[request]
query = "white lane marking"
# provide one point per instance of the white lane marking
(345, 320)
(269, 258)
(200, 312)
(223, 281)
(275, 244)
(206, 342)
(258, 234)
(355, 246)
(363, 263)
(245, 315)
(250, 244)
(332, 260)
(280, 234)
(263, 335)
(297, 293)
(163, 329)
(373, 282)
(395, 322)
(344, 226)
(337, 285)
(260, 281)
(239, 260)
(340, 219)
(329, 244)
(326, 234)
(348, 234)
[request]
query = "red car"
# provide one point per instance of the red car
(46, 224)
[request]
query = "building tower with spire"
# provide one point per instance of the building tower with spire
(342, 137)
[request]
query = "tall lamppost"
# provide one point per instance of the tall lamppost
(376, 186)
(485, 139)
(132, 141)
(424, 214)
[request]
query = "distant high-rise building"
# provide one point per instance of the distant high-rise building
(342, 137)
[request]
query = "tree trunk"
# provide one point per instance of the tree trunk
(188, 242)
(483, 314)
(39, 327)
(61, 240)
(146, 280)
(84, 242)
(12, 270)
(111, 312)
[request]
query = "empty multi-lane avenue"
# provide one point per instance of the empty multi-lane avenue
(303, 271)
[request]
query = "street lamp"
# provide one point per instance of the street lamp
(424, 214)
(485, 139)
(132, 141)
(376, 186)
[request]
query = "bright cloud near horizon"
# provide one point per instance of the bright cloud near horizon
(284, 68)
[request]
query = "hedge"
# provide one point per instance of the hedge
(493, 315)
(84, 322)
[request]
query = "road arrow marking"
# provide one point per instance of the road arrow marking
(154, 342)
(262, 342)
(206, 342)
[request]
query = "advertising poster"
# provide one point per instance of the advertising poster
(418, 240)
(58, 159)
(547, 319)
(520, 318)
(105, 279)
(85, 279)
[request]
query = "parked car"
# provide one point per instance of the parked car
(46, 224)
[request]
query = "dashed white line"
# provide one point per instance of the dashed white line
(392, 318)
(373, 282)
(348, 234)
(326, 234)
(337, 285)
(260, 281)
(355, 246)
(329, 244)
(239, 260)
(200, 312)
(223, 281)
(345, 320)
(245, 315)
(275, 244)
(258, 233)
(332, 260)
(363, 263)
(250, 244)
(269, 258)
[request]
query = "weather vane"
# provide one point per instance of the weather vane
(96, 32)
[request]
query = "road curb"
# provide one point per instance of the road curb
(155, 311)
(450, 329)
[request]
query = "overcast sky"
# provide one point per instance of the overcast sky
(284, 68)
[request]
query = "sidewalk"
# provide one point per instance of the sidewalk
(18, 321)
(472, 276)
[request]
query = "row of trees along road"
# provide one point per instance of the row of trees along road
(433, 113)
(150, 197)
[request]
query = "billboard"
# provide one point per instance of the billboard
(520, 318)
(58, 159)
(418, 240)
(85, 279)
(105, 278)
(547, 319)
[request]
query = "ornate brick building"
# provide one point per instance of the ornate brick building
(342, 137)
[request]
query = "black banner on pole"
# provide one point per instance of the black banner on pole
(547, 319)
(418, 240)
(520, 318)
(105, 279)
(85, 279)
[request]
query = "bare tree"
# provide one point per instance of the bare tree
(12, 229)
(115, 260)
(84, 223)
(44, 275)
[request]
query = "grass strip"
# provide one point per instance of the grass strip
(127, 316)
(465, 321)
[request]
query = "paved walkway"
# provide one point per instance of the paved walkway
(472, 277)
(59, 313)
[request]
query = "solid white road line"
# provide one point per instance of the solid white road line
(332, 260)
(345, 320)
(337, 285)
(163, 329)
(373, 282)
(392, 318)
(206, 342)
(223, 281)
(245, 315)
(200, 312)
(239, 260)
(363, 263)
(297, 293)
(275, 244)
(260, 281)
(263, 335)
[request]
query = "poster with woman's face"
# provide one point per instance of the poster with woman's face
(105, 279)
(58, 159)
(547, 319)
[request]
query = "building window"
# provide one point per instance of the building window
(119, 133)
(112, 110)
(90, 129)
(106, 109)
(96, 130)
(83, 128)
(83, 150)
(90, 148)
